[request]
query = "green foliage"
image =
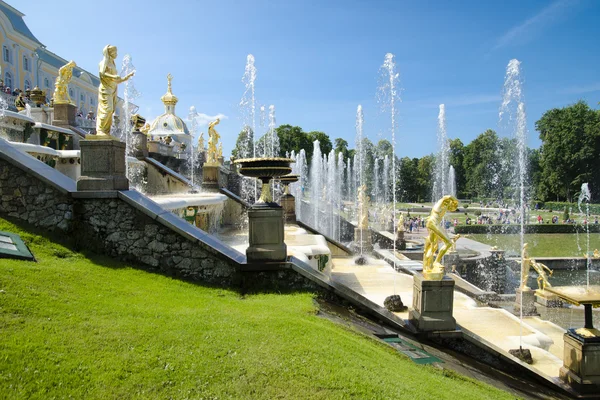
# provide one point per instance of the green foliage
(457, 156)
(88, 327)
(566, 214)
(561, 205)
(293, 138)
(531, 228)
(540, 244)
(324, 141)
(244, 144)
(569, 153)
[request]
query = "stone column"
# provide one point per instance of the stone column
(64, 115)
(139, 145)
(266, 234)
(210, 177)
(102, 165)
(581, 362)
(288, 203)
(362, 240)
(525, 298)
(433, 302)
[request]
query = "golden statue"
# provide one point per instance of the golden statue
(433, 268)
(213, 140)
(596, 253)
(145, 129)
(542, 280)
(363, 207)
(61, 87)
(20, 102)
(400, 224)
(525, 265)
(107, 92)
(201, 142)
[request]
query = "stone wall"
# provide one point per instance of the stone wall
(113, 227)
(27, 198)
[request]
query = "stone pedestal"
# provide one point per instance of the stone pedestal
(547, 299)
(266, 234)
(288, 203)
(432, 304)
(400, 241)
(139, 145)
(450, 259)
(210, 177)
(526, 295)
(102, 165)
(362, 240)
(64, 115)
(581, 363)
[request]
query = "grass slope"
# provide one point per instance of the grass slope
(544, 244)
(84, 326)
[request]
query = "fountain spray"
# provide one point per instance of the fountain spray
(388, 94)
(512, 113)
(361, 156)
(248, 104)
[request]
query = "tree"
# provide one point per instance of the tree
(244, 144)
(384, 148)
(424, 177)
(482, 165)
(457, 156)
(324, 141)
(341, 146)
(569, 152)
(408, 185)
(293, 138)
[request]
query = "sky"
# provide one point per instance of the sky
(318, 60)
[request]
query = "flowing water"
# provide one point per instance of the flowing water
(134, 171)
(440, 183)
(249, 189)
(584, 197)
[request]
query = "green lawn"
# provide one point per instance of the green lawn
(543, 244)
(87, 327)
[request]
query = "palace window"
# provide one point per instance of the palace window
(46, 82)
(91, 100)
(26, 63)
(8, 80)
(71, 93)
(5, 54)
(82, 97)
(27, 85)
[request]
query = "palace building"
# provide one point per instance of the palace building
(26, 63)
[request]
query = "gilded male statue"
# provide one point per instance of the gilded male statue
(107, 92)
(61, 87)
(433, 268)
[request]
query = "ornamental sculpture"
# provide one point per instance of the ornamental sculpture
(61, 87)
(213, 141)
(107, 92)
(363, 207)
(433, 268)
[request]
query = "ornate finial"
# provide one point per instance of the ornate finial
(169, 98)
(169, 79)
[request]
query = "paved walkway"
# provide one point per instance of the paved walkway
(497, 327)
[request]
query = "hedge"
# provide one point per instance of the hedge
(559, 206)
(532, 228)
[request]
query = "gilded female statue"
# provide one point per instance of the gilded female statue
(61, 87)
(107, 91)
(213, 140)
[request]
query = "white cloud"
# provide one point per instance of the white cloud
(526, 29)
(205, 119)
(589, 88)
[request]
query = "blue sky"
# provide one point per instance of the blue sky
(317, 60)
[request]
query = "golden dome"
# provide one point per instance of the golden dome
(169, 99)
(168, 123)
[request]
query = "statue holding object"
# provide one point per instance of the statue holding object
(61, 87)
(107, 92)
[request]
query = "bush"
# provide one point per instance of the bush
(561, 205)
(466, 205)
(477, 212)
(532, 228)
